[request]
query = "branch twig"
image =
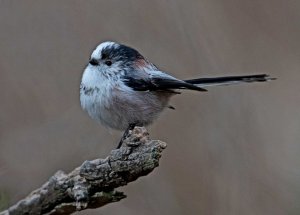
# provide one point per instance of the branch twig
(92, 184)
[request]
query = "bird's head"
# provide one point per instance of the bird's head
(112, 58)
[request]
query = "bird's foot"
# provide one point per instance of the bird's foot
(125, 134)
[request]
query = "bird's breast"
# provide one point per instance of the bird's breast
(116, 105)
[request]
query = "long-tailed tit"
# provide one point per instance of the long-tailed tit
(122, 89)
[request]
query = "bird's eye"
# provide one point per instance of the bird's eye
(108, 63)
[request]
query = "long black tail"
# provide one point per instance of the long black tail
(228, 80)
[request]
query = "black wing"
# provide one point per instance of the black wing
(156, 83)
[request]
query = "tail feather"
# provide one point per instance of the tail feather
(228, 80)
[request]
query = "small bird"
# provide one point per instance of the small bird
(121, 89)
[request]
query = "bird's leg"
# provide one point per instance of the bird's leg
(129, 128)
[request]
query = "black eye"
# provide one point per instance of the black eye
(108, 63)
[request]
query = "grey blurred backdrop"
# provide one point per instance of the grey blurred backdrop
(232, 150)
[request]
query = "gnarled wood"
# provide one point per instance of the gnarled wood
(92, 184)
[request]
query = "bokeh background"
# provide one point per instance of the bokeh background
(233, 150)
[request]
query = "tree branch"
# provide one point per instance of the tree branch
(92, 184)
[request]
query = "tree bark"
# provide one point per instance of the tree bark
(93, 184)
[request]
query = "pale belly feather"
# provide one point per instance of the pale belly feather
(116, 107)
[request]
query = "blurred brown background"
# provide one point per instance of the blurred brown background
(232, 150)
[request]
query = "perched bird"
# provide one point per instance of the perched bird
(121, 89)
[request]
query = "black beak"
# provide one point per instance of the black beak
(94, 62)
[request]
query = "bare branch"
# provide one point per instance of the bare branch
(92, 184)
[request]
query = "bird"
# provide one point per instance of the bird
(121, 89)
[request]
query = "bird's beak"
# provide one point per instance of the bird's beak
(94, 62)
